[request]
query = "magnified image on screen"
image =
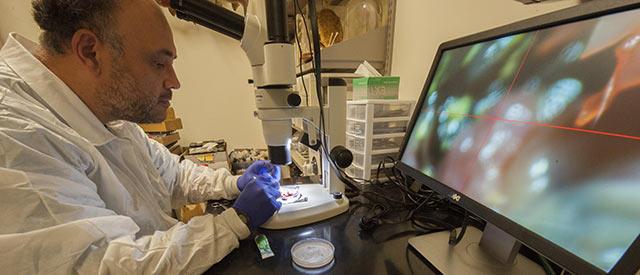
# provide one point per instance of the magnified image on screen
(542, 127)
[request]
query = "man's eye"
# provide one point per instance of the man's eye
(160, 65)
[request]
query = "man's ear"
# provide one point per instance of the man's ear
(86, 46)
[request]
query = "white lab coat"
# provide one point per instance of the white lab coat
(79, 197)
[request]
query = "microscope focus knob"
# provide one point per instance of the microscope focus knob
(294, 100)
(342, 156)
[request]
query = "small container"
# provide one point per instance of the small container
(312, 253)
(359, 174)
(356, 128)
(375, 129)
(360, 160)
(357, 144)
(380, 109)
(390, 127)
(383, 127)
(378, 87)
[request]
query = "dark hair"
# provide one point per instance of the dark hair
(60, 19)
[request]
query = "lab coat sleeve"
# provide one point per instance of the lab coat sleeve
(104, 244)
(188, 182)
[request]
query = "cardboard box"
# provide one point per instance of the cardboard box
(166, 139)
(165, 126)
(189, 211)
(171, 114)
(207, 157)
(176, 149)
(382, 87)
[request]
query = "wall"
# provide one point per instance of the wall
(16, 17)
(215, 100)
(421, 25)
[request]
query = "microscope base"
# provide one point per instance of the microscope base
(320, 205)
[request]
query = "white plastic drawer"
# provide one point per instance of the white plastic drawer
(357, 111)
(361, 161)
(380, 110)
(376, 159)
(355, 172)
(356, 128)
(386, 143)
(392, 110)
(384, 127)
(357, 144)
(389, 127)
(358, 173)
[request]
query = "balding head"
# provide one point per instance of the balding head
(142, 24)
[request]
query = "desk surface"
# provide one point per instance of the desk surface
(383, 252)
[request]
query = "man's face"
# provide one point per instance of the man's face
(138, 82)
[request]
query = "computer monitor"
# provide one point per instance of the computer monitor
(535, 128)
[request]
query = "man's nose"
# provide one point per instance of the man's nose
(172, 82)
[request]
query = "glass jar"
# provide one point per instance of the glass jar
(362, 16)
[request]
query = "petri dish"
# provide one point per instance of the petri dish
(312, 253)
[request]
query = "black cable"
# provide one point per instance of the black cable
(317, 67)
(304, 85)
(427, 213)
(306, 28)
(455, 238)
(546, 265)
(383, 204)
(341, 174)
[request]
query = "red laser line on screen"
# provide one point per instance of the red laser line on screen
(524, 59)
(595, 132)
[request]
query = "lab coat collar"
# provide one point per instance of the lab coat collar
(61, 100)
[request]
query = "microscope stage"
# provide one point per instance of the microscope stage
(305, 204)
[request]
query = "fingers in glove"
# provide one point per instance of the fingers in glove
(272, 192)
(276, 204)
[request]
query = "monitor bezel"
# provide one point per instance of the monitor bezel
(626, 264)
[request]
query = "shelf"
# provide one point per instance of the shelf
(295, 127)
(349, 54)
(298, 159)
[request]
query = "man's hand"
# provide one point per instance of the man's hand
(258, 200)
(256, 169)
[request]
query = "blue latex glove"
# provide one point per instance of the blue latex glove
(258, 200)
(256, 169)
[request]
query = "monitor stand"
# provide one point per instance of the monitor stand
(491, 252)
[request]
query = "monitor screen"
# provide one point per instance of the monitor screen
(540, 127)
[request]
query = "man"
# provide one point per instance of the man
(82, 189)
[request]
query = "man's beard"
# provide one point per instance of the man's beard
(122, 99)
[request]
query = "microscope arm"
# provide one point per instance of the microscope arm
(211, 16)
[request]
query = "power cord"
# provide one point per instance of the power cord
(304, 85)
(425, 209)
(454, 237)
(349, 181)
